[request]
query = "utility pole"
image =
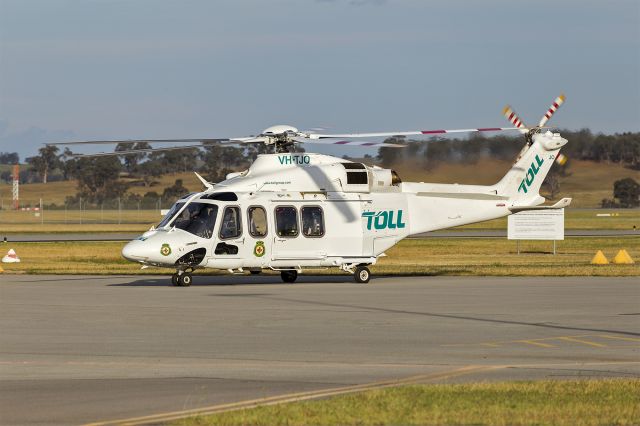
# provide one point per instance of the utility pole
(16, 187)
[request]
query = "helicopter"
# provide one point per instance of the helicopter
(292, 211)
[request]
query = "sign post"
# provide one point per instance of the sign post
(545, 224)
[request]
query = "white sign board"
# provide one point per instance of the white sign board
(537, 225)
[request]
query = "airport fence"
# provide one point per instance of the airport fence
(116, 211)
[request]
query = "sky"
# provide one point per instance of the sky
(127, 69)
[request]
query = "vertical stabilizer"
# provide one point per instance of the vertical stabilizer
(523, 181)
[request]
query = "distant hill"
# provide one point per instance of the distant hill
(588, 182)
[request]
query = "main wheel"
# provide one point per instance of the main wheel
(185, 280)
(289, 276)
(175, 281)
(255, 271)
(362, 274)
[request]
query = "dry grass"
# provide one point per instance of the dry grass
(588, 182)
(57, 192)
(493, 257)
(588, 402)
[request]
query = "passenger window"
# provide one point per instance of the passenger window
(286, 221)
(312, 221)
(257, 222)
(231, 226)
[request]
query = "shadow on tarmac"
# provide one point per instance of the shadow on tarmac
(230, 280)
(449, 316)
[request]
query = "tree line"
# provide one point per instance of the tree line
(100, 178)
(620, 148)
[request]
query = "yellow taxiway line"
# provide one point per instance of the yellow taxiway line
(294, 397)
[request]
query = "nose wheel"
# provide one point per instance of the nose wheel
(181, 280)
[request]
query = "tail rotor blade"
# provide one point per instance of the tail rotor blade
(511, 115)
(552, 109)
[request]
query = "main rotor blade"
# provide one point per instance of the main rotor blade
(349, 143)
(135, 141)
(137, 151)
(409, 133)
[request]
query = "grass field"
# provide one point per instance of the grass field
(57, 192)
(588, 182)
(429, 257)
(588, 402)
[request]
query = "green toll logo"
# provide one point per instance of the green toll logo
(384, 219)
(165, 250)
(259, 250)
(531, 175)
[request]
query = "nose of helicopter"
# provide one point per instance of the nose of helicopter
(135, 251)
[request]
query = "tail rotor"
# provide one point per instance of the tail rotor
(552, 109)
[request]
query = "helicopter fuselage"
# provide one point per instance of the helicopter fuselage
(295, 211)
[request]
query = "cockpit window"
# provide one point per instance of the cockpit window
(197, 218)
(172, 212)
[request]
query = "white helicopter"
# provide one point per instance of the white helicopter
(291, 211)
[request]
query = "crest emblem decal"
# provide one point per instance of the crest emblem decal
(259, 249)
(165, 250)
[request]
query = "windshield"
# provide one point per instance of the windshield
(198, 218)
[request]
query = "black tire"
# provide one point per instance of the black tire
(255, 272)
(185, 280)
(362, 275)
(289, 276)
(175, 281)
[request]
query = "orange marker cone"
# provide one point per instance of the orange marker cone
(623, 258)
(599, 259)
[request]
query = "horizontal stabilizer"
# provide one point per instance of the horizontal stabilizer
(463, 195)
(559, 205)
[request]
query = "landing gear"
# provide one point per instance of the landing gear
(181, 280)
(185, 279)
(289, 276)
(362, 274)
(255, 271)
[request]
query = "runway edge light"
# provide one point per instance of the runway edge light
(599, 259)
(622, 258)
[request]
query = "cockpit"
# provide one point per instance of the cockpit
(196, 218)
(196, 214)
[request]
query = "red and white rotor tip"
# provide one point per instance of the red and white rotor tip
(513, 117)
(552, 109)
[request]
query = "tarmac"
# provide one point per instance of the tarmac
(105, 349)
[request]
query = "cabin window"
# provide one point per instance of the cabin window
(312, 221)
(257, 222)
(231, 224)
(197, 218)
(286, 221)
